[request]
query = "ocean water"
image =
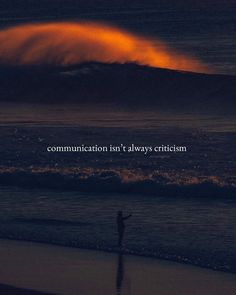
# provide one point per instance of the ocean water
(207, 168)
(187, 230)
(183, 205)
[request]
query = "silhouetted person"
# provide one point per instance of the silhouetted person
(121, 226)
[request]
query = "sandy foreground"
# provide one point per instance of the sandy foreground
(70, 271)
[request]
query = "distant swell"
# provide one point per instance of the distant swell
(129, 86)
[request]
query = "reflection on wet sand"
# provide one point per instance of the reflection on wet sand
(123, 283)
(120, 273)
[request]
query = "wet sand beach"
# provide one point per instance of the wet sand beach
(64, 270)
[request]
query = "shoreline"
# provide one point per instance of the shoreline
(71, 271)
(126, 252)
(11, 290)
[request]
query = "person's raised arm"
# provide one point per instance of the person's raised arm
(127, 217)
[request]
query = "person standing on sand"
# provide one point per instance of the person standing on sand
(121, 226)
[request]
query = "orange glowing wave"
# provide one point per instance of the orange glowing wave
(67, 43)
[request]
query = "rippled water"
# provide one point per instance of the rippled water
(75, 115)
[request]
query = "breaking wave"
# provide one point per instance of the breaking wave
(67, 43)
(118, 181)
